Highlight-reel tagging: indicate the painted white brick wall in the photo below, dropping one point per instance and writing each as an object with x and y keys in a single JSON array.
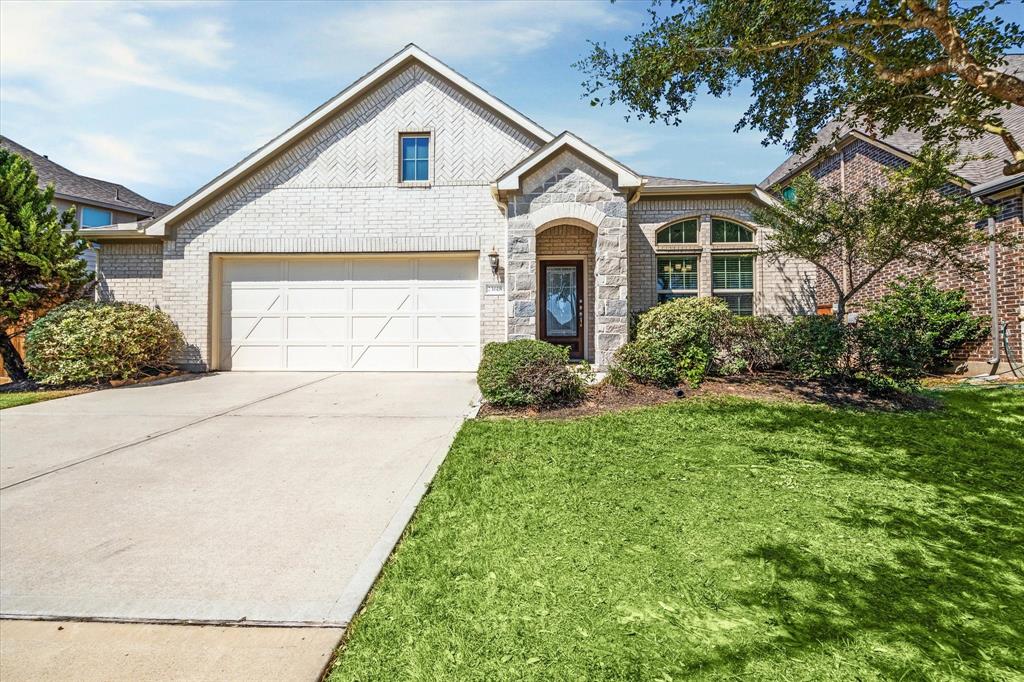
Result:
[
  {"x": 337, "y": 190},
  {"x": 130, "y": 271}
]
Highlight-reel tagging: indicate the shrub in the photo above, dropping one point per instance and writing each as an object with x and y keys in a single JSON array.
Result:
[
  {"x": 928, "y": 323},
  {"x": 750, "y": 344},
  {"x": 527, "y": 372},
  {"x": 648, "y": 362},
  {"x": 689, "y": 329},
  {"x": 84, "y": 342},
  {"x": 818, "y": 347}
]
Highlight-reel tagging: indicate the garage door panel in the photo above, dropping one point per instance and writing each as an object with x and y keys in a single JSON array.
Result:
[
  {"x": 382, "y": 328},
  {"x": 317, "y": 300},
  {"x": 252, "y": 271},
  {"x": 317, "y": 328},
  {"x": 326, "y": 270},
  {"x": 441, "y": 270},
  {"x": 382, "y": 300},
  {"x": 382, "y": 269},
  {"x": 250, "y": 356},
  {"x": 447, "y": 328},
  {"x": 302, "y": 357},
  {"x": 257, "y": 328},
  {"x": 444, "y": 299},
  {"x": 376, "y": 358},
  {"x": 241, "y": 299},
  {"x": 397, "y": 313}
]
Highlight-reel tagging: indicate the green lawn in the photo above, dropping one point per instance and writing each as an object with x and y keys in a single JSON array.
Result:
[
  {"x": 714, "y": 540},
  {"x": 29, "y": 397}
]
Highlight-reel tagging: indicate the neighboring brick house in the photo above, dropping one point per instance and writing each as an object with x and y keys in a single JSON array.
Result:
[
  {"x": 97, "y": 203},
  {"x": 414, "y": 217},
  {"x": 857, "y": 158}
]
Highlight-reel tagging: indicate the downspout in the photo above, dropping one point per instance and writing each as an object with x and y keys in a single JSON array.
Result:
[{"x": 993, "y": 295}]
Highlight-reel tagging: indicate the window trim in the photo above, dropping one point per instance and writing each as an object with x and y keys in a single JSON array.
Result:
[
  {"x": 671, "y": 293},
  {"x": 752, "y": 289},
  {"x": 669, "y": 225},
  {"x": 749, "y": 228},
  {"x": 402, "y": 134},
  {"x": 81, "y": 216}
]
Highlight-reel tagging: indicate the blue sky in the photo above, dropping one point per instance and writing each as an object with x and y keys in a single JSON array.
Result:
[{"x": 163, "y": 96}]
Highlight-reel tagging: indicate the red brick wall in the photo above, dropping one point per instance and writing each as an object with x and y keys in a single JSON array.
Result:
[{"x": 866, "y": 163}]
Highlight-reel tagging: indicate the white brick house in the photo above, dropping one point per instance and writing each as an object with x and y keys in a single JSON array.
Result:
[{"x": 414, "y": 217}]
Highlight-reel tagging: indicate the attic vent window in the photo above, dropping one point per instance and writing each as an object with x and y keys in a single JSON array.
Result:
[{"x": 415, "y": 163}]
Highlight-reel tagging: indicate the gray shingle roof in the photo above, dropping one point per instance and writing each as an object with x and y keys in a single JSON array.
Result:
[
  {"x": 71, "y": 184},
  {"x": 975, "y": 171}
]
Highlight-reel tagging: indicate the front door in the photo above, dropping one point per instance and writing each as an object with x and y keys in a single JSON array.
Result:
[{"x": 561, "y": 303}]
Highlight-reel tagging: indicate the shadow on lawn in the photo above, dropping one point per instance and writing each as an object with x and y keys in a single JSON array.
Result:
[{"x": 949, "y": 598}]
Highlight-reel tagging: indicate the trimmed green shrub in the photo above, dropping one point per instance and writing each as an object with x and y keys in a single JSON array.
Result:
[
  {"x": 818, "y": 347},
  {"x": 527, "y": 372},
  {"x": 689, "y": 329},
  {"x": 648, "y": 362},
  {"x": 86, "y": 342},
  {"x": 750, "y": 344},
  {"x": 915, "y": 324}
]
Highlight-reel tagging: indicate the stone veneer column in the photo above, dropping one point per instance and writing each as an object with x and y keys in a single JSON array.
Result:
[
  {"x": 611, "y": 318},
  {"x": 521, "y": 277},
  {"x": 704, "y": 262}
]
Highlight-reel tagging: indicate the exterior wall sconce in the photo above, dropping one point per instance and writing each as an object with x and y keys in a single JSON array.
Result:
[{"x": 493, "y": 258}]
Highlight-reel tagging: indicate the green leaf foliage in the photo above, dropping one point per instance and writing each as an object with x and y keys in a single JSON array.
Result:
[
  {"x": 85, "y": 342},
  {"x": 916, "y": 215},
  {"x": 934, "y": 67},
  {"x": 688, "y": 329},
  {"x": 528, "y": 372},
  {"x": 39, "y": 246}
]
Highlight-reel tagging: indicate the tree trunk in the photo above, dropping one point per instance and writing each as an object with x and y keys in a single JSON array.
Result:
[{"x": 13, "y": 364}]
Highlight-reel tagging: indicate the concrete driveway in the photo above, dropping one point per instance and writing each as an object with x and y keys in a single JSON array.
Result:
[{"x": 230, "y": 498}]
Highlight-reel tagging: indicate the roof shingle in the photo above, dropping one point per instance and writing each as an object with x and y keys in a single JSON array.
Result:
[{"x": 71, "y": 184}]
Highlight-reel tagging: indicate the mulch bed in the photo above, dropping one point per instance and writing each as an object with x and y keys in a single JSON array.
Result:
[
  {"x": 31, "y": 386},
  {"x": 765, "y": 386}
]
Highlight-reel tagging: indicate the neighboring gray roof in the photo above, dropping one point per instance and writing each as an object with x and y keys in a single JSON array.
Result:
[
  {"x": 657, "y": 181},
  {"x": 975, "y": 172},
  {"x": 89, "y": 190}
]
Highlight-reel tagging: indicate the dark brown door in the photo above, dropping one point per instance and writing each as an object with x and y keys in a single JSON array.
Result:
[{"x": 561, "y": 304}]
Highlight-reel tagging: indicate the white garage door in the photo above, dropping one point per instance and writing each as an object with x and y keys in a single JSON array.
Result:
[{"x": 403, "y": 313}]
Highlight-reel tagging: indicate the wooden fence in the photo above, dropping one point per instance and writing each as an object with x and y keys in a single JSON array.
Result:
[{"x": 19, "y": 345}]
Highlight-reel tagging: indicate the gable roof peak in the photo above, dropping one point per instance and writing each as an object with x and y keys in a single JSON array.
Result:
[
  {"x": 332, "y": 106},
  {"x": 624, "y": 176}
]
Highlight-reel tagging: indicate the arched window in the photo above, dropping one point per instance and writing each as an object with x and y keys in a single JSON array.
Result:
[
  {"x": 728, "y": 231},
  {"x": 683, "y": 232}
]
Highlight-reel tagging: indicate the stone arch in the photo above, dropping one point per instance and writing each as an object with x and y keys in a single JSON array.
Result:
[{"x": 567, "y": 213}]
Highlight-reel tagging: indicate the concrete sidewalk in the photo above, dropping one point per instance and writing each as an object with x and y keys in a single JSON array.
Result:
[{"x": 112, "y": 652}]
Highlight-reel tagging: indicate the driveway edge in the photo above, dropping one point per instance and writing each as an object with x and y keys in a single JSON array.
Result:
[{"x": 358, "y": 588}]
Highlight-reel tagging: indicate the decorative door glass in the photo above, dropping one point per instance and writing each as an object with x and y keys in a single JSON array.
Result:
[{"x": 560, "y": 286}]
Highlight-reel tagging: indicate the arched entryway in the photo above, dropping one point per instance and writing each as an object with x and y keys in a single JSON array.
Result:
[{"x": 565, "y": 291}]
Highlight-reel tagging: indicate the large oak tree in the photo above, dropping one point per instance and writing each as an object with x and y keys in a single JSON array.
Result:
[{"x": 933, "y": 66}]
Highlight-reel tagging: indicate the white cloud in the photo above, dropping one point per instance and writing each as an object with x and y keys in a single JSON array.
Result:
[
  {"x": 107, "y": 156},
  {"x": 456, "y": 31}
]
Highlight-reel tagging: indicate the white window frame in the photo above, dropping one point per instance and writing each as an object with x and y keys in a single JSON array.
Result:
[
  {"x": 725, "y": 291},
  {"x": 671, "y": 293},
  {"x": 429, "y": 134}
]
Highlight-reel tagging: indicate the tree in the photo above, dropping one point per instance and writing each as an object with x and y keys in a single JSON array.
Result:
[
  {"x": 915, "y": 215},
  {"x": 39, "y": 255},
  {"x": 932, "y": 66}
]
